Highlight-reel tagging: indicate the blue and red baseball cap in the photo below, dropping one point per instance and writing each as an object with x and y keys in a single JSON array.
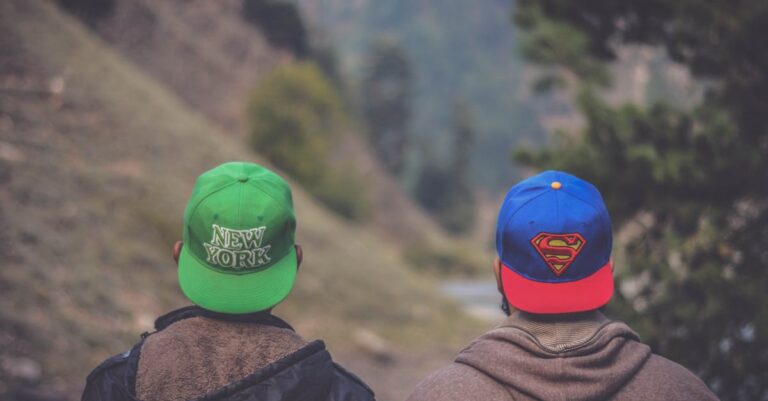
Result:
[{"x": 554, "y": 238}]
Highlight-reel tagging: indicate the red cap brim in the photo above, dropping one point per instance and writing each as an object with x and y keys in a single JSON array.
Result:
[{"x": 547, "y": 298}]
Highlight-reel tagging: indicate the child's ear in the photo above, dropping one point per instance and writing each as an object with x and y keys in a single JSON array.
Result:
[
  {"x": 299, "y": 255},
  {"x": 177, "y": 251}
]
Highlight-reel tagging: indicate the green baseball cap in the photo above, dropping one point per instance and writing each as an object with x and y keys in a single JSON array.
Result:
[{"x": 238, "y": 254}]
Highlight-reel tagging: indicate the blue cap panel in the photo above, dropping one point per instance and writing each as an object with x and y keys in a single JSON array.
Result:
[{"x": 572, "y": 217}]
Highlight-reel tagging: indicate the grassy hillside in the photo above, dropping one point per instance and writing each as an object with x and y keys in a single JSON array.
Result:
[
  {"x": 96, "y": 163},
  {"x": 206, "y": 54},
  {"x": 203, "y": 51}
]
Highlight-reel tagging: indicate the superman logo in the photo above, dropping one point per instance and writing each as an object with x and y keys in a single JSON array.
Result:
[{"x": 558, "y": 250}]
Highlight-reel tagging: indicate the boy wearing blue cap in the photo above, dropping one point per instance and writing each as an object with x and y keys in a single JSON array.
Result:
[{"x": 553, "y": 269}]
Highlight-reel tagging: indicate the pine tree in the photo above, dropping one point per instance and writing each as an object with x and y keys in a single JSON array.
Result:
[
  {"x": 444, "y": 189},
  {"x": 386, "y": 98}
]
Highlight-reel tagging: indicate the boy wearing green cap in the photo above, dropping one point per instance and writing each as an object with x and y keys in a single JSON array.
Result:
[{"x": 237, "y": 261}]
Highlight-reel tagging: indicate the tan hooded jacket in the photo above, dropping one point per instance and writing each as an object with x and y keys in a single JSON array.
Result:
[{"x": 575, "y": 357}]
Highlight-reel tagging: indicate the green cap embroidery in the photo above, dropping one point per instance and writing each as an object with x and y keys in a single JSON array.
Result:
[{"x": 239, "y": 254}]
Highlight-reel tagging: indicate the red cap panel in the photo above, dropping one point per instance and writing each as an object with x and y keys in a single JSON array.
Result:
[{"x": 566, "y": 297}]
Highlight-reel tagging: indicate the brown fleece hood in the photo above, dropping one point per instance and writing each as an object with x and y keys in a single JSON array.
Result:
[
  {"x": 198, "y": 355},
  {"x": 573, "y": 357}
]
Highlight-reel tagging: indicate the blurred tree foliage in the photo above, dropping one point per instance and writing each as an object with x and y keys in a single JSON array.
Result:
[
  {"x": 386, "y": 98},
  {"x": 446, "y": 190},
  {"x": 693, "y": 180},
  {"x": 280, "y": 22},
  {"x": 89, "y": 11},
  {"x": 455, "y": 48},
  {"x": 295, "y": 119}
]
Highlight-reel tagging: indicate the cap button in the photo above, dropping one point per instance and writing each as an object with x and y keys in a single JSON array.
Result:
[
  {"x": 242, "y": 178},
  {"x": 556, "y": 185}
]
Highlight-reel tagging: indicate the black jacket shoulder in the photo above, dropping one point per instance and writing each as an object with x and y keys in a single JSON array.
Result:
[
  {"x": 348, "y": 387},
  {"x": 115, "y": 378}
]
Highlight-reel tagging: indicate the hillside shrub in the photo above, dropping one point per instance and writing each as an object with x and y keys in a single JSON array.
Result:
[
  {"x": 343, "y": 191},
  {"x": 295, "y": 119}
]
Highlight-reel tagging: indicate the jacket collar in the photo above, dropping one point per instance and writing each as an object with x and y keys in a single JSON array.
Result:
[
  {"x": 558, "y": 333},
  {"x": 263, "y": 318}
]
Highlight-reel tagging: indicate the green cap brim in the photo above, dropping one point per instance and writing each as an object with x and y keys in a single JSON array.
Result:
[{"x": 236, "y": 293}]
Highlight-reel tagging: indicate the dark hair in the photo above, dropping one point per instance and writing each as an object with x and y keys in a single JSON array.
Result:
[
  {"x": 507, "y": 311},
  {"x": 505, "y": 305}
]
